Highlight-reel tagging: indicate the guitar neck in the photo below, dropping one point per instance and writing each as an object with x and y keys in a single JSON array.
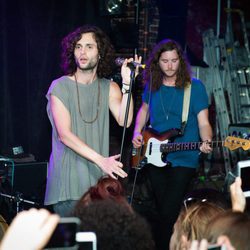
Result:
[{"x": 182, "y": 146}]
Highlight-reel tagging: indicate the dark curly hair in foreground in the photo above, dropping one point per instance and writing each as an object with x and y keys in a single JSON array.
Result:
[
  {"x": 116, "y": 226},
  {"x": 105, "y": 49}
]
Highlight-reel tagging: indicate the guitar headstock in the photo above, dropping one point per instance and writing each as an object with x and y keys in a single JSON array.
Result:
[{"x": 233, "y": 143}]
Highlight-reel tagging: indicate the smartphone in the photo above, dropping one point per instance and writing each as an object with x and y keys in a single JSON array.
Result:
[
  {"x": 64, "y": 235},
  {"x": 243, "y": 170},
  {"x": 216, "y": 247},
  {"x": 86, "y": 240}
]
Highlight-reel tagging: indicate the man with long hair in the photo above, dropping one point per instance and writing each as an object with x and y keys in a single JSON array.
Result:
[
  {"x": 78, "y": 109},
  {"x": 166, "y": 76}
]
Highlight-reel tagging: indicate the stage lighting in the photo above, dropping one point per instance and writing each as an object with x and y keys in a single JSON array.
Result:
[{"x": 112, "y": 7}]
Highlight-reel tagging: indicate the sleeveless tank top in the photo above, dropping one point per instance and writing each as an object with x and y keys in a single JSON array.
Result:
[{"x": 69, "y": 174}]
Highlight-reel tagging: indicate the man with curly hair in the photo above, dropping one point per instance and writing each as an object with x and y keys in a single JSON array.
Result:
[
  {"x": 166, "y": 76},
  {"x": 78, "y": 109}
]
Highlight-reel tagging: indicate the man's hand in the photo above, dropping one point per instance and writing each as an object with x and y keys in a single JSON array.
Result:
[
  {"x": 126, "y": 71},
  {"x": 137, "y": 140},
  {"x": 206, "y": 147},
  {"x": 112, "y": 167}
]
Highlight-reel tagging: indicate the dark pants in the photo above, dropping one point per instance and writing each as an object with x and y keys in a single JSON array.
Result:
[{"x": 169, "y": 186}]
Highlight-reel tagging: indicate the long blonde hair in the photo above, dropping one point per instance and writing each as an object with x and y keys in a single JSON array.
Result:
[{"x": 193, "y": 220}]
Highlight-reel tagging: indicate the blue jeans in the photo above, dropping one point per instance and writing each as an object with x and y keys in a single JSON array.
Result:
[{"x": 64, "y": 208}]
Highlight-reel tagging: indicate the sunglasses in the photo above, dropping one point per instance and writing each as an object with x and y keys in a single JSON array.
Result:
[{"x": 192, "y": 200}]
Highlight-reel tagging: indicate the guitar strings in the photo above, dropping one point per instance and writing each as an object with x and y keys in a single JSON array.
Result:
[{"x": 156, "y": 146}]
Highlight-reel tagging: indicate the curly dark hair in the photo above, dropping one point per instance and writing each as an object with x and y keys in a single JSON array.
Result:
[
  {"x": 104, "y": 46},
  {"x": 153, "y": 71},
  {"x": 116, "y": 227}
]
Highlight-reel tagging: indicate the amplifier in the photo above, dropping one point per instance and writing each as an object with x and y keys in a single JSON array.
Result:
[
  {"x": 241, "y": 130},
  {"x": 29, "y": 179}
]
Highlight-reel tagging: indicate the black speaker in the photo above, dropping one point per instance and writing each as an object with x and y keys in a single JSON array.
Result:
[{"x": 29, "y": 180}]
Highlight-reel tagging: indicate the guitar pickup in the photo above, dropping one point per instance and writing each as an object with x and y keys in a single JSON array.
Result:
[{"x": 150, "y": 148}]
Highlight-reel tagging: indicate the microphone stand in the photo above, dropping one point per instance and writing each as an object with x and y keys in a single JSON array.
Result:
[
  {"x": 141, "y": 165},
  {"x": 17, "y": 198},
  {"x": 132, "y": 79}
]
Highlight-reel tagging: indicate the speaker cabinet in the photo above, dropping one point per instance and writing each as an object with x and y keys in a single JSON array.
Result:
[{"x": 29, "y": 180}]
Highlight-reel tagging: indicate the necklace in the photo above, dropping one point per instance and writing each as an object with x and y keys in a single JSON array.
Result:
[
  {"x": 79, "y": 105},
  {"x": 166, "y": 113}
]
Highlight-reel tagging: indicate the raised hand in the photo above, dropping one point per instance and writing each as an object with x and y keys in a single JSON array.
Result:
[
  {"x": 237, "y": 196},
  {"x": 126, "y": 71},
  {"x": 30, "y": 230}
]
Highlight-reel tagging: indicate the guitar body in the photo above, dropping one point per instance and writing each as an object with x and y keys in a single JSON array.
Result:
[{"x": 150, "y": 150}]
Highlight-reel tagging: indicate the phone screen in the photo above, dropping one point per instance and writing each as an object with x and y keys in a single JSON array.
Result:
[
  {"x": 216, "y": 247},
  {"x": 64, "y": 234},
  {"x": 243, "y": 169},
  {"x": 245, "y": 177},
  {"x": 85, "y": 245}
]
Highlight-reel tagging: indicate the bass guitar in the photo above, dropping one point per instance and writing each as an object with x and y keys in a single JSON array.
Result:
[{"x": 157, "y": 145}]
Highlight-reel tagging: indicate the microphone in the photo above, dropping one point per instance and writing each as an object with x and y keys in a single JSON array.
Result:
[{"x": 119, "y": 61}]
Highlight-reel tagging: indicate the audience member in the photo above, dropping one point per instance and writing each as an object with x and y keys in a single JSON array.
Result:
[
  {"x": 237, "y": 196},
  {"x": 105, "y": 211},
  {"x": 207, "y": 194},
  {"x": 203, "y": 244},
  {"x": 204, "y": 215},
  {"x": 116, "y": 226},
  {"x": 3, "y": 227},
  {"x": 106, "y": 188},
  {"x": 191, "y": 223},
  {"x": 234, "y": 225},
  {"x": 30, "y": 230}
]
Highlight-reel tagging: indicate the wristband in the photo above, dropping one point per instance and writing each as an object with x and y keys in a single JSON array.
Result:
[
  {"x": 126, "y": 87},
  {"x": 125, "y": 91},
  {"x": 125, "y": 84}
]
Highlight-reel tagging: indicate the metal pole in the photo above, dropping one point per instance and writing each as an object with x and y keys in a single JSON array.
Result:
[
  {"x": 218, "y": 29},
  {"x": 218, "y": 18},
  {"x": 137, "y": 12}
]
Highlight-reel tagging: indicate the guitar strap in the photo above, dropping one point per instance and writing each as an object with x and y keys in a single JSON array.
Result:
[{"x": 185, "y": 107}]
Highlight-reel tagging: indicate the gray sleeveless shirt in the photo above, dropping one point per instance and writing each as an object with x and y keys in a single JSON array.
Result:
[{"x": 70, "y": 175}]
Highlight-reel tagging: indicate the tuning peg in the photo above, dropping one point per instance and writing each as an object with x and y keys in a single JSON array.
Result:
[
  {"x": 234, "y": 133},
  {"x": 245, "y": 135}
]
